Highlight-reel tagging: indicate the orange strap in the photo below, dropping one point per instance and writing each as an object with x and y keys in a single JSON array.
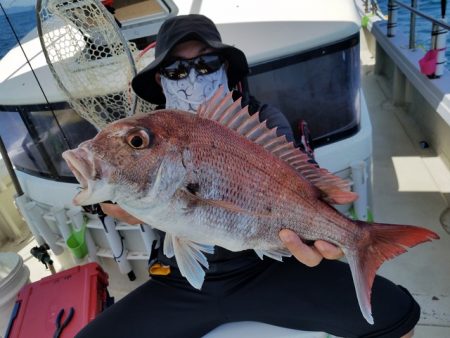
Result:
[{"x": 158, "y": 269}]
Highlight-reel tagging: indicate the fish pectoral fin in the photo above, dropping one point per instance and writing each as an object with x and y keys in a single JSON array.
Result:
[
  {"x": 190, "y": 258},
  {"x": 194, "y": 199},
  {"x": 276, "y": 254},
  {"x": 226, "y": 205}
]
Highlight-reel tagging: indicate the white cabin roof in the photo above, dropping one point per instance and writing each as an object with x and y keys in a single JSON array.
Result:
[{"x": 263, "y": 30}]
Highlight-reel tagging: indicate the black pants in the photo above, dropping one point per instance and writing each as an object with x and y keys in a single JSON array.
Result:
[{"x": 286, "y": 294}]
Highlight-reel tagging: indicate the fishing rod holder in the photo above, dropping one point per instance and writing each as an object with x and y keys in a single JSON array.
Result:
[{"x": 114, "y": 239}]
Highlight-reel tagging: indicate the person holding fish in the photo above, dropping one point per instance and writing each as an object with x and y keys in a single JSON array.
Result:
[{"x": 192, "y": 67}]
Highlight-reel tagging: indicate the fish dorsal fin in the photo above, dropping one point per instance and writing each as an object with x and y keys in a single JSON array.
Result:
[{"x": 229, "y": 113}]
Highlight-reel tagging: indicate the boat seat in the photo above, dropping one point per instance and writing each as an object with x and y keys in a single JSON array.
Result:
[{"x": 260, "y": 330}]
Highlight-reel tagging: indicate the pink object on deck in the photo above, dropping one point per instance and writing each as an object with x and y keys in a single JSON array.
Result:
[{"x": 428, "y": 62}]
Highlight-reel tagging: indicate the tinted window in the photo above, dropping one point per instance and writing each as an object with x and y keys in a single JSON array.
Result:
[
  {"x": 36, "y": 137},
  {"x": 320, "y": 87}
]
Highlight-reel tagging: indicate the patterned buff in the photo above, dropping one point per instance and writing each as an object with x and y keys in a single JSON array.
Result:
[{"x": 187, "y": 94}]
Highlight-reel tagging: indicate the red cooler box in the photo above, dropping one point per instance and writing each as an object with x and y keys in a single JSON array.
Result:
[{"x": 38, "y": 304}]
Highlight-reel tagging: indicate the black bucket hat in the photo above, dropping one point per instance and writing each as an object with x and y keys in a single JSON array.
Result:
[{"x": 179, "y": 29}]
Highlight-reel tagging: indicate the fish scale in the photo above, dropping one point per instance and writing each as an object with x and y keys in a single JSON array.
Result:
[
  {"x": 223, "y": 178},
  {"x": 268, "y": 183}
]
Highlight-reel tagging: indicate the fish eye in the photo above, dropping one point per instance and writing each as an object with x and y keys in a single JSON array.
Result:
[
  {"x": 138, "y": 138},
  {"x": 136, "y": 141}
]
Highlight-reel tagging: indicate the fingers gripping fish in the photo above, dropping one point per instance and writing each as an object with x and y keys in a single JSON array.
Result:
[{"x": 220, "y": 177}]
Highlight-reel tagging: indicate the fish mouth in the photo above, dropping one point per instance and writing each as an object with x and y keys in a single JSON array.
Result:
[
  {"x": 75, "y": 165},
  {"x": 84, "y": 171}
]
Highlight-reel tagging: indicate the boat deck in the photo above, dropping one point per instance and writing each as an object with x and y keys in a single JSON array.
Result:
[{"x": 409, "y": 187}]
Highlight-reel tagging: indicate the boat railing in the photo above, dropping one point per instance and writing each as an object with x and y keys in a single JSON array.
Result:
[{"x": 438, "y": 31}]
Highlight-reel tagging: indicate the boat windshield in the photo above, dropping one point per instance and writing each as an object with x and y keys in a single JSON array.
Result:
[
  {"x": 320, "y": 86},
  {"x": 36, "y": 136}
]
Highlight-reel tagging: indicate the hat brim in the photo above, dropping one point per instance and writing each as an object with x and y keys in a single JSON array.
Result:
[{"x": 144, "y": 83}]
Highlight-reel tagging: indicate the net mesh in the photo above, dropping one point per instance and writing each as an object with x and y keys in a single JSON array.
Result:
[{"x": 89, "y": 58}]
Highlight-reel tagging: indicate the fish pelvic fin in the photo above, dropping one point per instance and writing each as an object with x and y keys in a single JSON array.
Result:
[
  {"x": 229, "y": 113},
  {"x": 384, "y": 242},
  {"x": 190, "y": 258}
]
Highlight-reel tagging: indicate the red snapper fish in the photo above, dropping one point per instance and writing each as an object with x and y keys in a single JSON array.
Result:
[{"x": 220, "y": 177}]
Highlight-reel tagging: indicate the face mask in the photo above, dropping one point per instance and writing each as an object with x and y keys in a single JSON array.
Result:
[{"x": 188, "y": 93}]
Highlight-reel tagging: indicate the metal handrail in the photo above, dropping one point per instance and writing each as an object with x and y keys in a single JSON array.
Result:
[
  {"x": 438, "y": 33},
  {"x": 423, "y": 15}
]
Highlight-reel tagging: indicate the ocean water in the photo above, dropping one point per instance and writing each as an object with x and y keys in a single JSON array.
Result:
[
  {"x": 25, "y": 21},
  {"x": 22, "y": 23},
  {"x": 423, "y": 26}
]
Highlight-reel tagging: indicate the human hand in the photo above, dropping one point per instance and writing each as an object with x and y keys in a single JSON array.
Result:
[
  {"x": 309, "y": 255},
  {"x": 117, "y": 212}
]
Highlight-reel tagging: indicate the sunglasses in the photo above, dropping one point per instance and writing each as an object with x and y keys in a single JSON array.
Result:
[{"x": 203, "y": 65}]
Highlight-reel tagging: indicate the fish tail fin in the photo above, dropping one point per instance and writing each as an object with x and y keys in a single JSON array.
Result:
[{"x": 384, "y": 242}]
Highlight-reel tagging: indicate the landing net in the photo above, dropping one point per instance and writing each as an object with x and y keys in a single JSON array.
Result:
[{"x": 89, "y": 58}]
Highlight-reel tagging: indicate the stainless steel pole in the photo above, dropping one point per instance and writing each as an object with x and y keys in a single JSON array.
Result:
[
  {"x": 412, "y": 26},
  {"x": 392, "y": 18}
]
